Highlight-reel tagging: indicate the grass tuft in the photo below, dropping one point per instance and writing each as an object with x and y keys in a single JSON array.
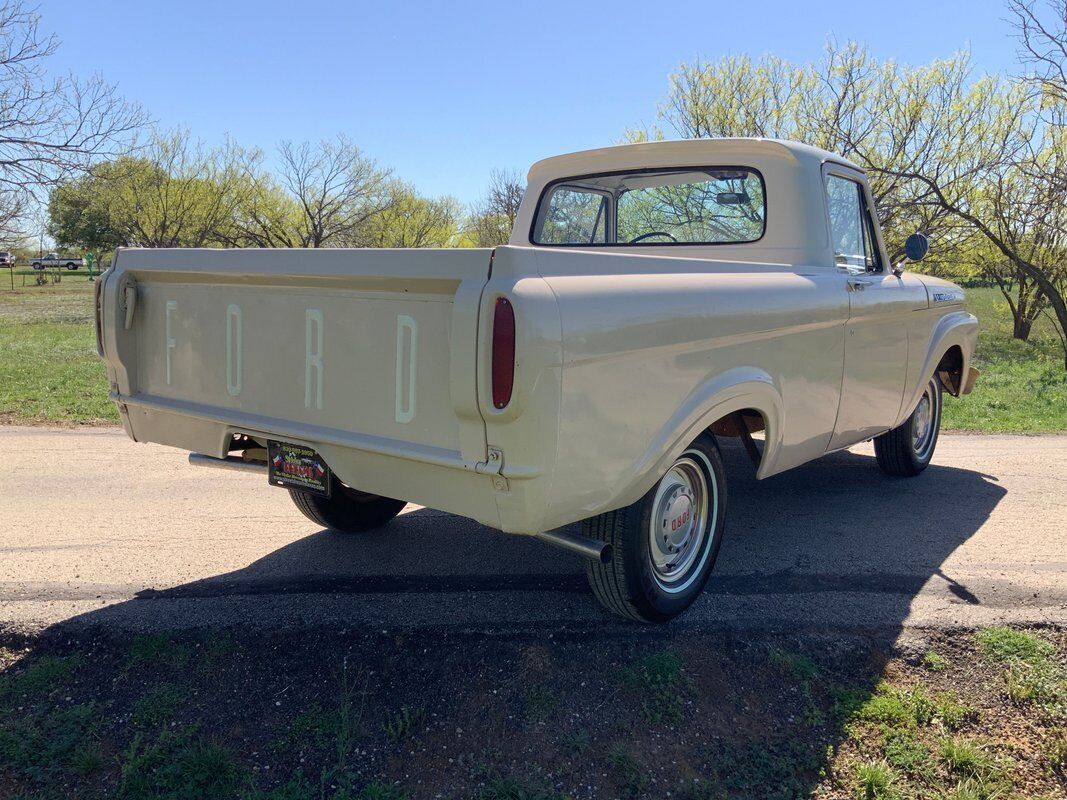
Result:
[
  {"x": 875, "y": 780},
  {"x": 1007, "y": 644},
  {"x": 177, "y": 766},
  {"x": 158, "y": 705},
  {"x": 933, "y": 661},
  {"x": 659, "y": 680},
  {"x": 405, "y": 723}
]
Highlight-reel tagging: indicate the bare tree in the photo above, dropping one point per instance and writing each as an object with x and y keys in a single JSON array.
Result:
[
  {"x": 492, "y": 218},
  {"x": 337, "y": 188},
  {"x": 1043, "y": 45},
  {"x": 50, "y": 127}
]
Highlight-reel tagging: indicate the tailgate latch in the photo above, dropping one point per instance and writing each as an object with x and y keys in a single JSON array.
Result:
[
  {"x": 128, "y": 303},
  {"x": 492, "y": 467}
]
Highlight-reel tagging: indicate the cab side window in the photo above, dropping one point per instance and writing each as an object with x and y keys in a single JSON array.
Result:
[
  {"x": 851, "y": 226},
  {"x": 575, "y": 216}
]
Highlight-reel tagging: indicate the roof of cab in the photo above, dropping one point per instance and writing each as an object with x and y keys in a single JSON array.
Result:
[{"x": 681, "y": 152}]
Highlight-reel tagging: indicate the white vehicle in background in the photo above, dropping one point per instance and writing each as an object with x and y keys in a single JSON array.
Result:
[
  {"x": 654, "y": 298},
  {"x": 56, "y": 260},
  {"x": 7, "y": 259}
]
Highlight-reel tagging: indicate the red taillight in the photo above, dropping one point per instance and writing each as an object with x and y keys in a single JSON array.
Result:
[{"x": 503, "y": 352}]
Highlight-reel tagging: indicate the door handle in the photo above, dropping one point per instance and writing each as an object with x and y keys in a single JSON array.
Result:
[{"x": 857, "y": 284}]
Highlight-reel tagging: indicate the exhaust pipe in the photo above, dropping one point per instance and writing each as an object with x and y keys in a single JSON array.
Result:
[
  {"x": 582, "y": 545},
  {"x": 230, "y": 462}
]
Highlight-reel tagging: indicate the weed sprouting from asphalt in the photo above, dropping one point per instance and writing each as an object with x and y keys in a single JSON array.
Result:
[
  {"x": 405, "y": 723},
  {"x": 661, "y": 683}
]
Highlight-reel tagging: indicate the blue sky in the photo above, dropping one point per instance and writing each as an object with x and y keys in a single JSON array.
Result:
[{"x": 445, "y": 92}]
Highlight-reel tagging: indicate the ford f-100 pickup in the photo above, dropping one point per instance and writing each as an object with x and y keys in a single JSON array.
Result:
[{"x": 654, "y": 298}]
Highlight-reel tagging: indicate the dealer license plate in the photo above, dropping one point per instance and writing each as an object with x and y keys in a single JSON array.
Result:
[{"x": 294, "y": 466}]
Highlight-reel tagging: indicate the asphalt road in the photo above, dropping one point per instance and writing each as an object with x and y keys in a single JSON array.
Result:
[{"x": 98, "y": 530}]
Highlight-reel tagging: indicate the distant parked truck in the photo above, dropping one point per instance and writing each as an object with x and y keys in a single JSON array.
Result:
[
  {"x": 55, "y": 260},
  {"x": 6, "y": 259}
]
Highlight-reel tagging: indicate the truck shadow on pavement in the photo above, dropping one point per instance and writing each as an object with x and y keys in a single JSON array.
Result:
[
  {"x": 482, "y": 660},
  {"x": 833, "y": 544}
]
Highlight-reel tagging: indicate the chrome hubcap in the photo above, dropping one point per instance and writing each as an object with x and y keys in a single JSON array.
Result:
[
  {"x": 924, "y": 422},
  {"x": 678, "y": 527}
]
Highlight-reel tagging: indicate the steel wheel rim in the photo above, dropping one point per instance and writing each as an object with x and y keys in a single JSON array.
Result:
[
  {"x": 924, "y": 423},
  {"x": 678, "y": 527}
]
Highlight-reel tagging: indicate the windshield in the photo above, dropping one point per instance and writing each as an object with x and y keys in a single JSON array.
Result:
[{"x": 712, "y": 205}]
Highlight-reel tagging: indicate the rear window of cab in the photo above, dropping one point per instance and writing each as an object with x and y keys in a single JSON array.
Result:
[{"x": 663, "y": 207}]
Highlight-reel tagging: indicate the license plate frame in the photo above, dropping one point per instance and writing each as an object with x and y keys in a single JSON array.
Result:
[{"x": 297, "y": 466}]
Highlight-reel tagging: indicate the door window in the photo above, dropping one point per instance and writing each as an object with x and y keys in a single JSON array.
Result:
[{"x": 851, "y": 226}]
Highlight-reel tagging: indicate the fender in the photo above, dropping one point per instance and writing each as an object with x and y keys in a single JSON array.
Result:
[
  {"x": 734, "y": 390},
  {"x": 955, "y": 328}
]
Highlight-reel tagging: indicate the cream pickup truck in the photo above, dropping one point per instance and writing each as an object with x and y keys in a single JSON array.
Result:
[{"x": 653, "y": 300}]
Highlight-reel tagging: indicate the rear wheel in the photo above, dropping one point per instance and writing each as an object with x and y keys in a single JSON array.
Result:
[
  {"x": 71, "y": 265},
  {"x": 664, "y": 546},
  {"x": 906, "y": 450},
  {"x": 347, "y": 509}
]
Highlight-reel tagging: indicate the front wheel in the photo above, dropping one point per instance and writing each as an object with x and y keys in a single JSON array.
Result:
[
  {"x": 347, "y": 510},
  {"x": 906, "y": 450},
  {"x": 72, "y": 266},
  {"x": 664, "y": 546}
]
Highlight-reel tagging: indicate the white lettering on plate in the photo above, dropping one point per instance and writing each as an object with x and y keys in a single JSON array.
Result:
[
  {"x": 313, "y": 325},
  {"x": 406, "y": 346}
]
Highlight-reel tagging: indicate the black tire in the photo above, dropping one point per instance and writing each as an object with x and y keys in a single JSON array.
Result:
[
  {"x": 347, "y": 510},
  {"x": 907, "y": 450},
  {"x": 72, "y": 266},
  {"x": 631, "y": 584}
]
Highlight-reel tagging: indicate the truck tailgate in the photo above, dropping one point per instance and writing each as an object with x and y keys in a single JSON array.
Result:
[{"x": 371, "y": 349}]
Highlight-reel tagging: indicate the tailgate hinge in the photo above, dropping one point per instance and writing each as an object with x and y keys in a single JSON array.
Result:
[{"x": 492, "y": 468}]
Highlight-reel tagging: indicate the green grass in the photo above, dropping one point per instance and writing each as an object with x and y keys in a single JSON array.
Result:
[
  {"x": 49, "y": 370},
  {"x": 660, "y": 684},
  {"x": 1006, "y": 644},
  {"x": 1032, "y": 675},
  {"x": 158, "y": 704},
  {"x": 1023, "y": 388},
  {"x": 178, "y": 766},
  {"x": 875, "y": 781}
]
